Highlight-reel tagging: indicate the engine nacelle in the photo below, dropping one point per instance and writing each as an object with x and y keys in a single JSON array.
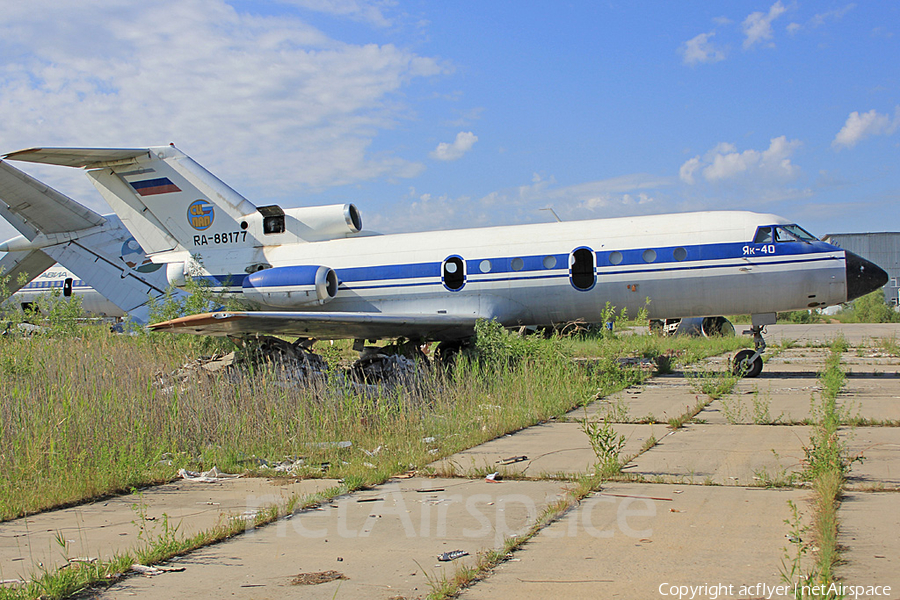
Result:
[
  {"x": 175, "y": 274},
  {"x": 291, "y": 287},
  {"x": 325, "y": 222},
  {"x": 694, "y": 326}
]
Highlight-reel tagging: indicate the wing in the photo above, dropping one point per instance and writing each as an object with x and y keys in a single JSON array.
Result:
[
  {"x": 325, "y": 325},
  {"x": 32, "y": 207},
  {"x": 14, "y": 264}
]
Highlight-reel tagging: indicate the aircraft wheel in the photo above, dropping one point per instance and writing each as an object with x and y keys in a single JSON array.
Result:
[
  {"x": 743, "y": 366},
  {"x": 446, "y": 352}
]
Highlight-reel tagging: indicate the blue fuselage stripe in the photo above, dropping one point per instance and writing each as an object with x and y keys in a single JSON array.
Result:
[{"x": 624, "y": 262}]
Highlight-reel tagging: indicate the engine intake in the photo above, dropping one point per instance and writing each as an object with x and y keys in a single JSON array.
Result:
[{"x": 291, "y": 287}]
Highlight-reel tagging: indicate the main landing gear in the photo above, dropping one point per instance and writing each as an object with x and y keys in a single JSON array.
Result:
[{"x": 749, "y": 363}]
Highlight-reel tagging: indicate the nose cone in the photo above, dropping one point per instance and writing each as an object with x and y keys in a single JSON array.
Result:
[{"x": 863, "y": 276}]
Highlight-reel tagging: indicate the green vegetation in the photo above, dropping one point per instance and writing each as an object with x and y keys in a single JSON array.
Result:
[
  {"x": 96, "y": 413},
  {"x": 871, "y": 308},
  {"x": 826, "y": 466},
  {"x": 606, "y": 444},
  {"x": 86, "y": 413}
]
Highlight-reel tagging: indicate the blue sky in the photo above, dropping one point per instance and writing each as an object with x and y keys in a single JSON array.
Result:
[{"x": 436, "y": 115}]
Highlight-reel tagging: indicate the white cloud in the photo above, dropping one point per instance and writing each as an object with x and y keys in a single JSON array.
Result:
[
  {"x": 273, "y": 105},
  {"x": 758, "y": 25},
  {"x": 860, "y": 126},
  {"x": 831, "y": 15},
  {"x": 369, "y": 11},
  {"x": 454, "y": 151},
  {"x": 616, "y": 197},
  {"x": 724, "y": 162},
  {"x": 701, "y": 50},
  {"x": 687, "y": 170}
]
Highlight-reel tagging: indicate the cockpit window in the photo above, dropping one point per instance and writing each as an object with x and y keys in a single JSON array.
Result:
[
  {"x": 763, "y": 236},
  {"x": 783, "y": 233},
  {"x": 801, "y": 234}
]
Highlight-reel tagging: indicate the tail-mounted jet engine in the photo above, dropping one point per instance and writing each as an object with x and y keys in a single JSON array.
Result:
[{"x": 291, "y": 287}]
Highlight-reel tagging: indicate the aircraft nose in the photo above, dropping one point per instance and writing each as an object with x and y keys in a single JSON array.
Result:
[{"x": 863, "y": 276}]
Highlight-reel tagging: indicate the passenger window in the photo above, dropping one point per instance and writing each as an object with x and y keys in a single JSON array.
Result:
[
  {"x": 763, "y": 236},
  {"x": 679, "y": 254},
  {"x": 454, "y": 273},
  {"x": 582, "y": 269}
]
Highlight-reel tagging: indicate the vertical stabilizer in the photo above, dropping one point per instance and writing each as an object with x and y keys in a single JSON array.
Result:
[{"x": 163, "y": 196}]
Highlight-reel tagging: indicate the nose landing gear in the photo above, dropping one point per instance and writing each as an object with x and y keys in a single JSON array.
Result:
[{"x": 749, "y": 363}]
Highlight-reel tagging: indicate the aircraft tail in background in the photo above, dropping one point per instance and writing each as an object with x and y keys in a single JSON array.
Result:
[
  {"x": 163, "y": 196},
  {"x": 55, "y": 228}
]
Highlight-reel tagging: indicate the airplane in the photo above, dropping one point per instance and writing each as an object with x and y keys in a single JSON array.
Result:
[
  {"x": 114, "y": 275},
  {"x": 69, "y": 285},
  {"x": 311, "y": 271}
]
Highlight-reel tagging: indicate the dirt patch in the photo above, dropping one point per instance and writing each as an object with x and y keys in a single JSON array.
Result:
[{"x": 317, "y": 578}]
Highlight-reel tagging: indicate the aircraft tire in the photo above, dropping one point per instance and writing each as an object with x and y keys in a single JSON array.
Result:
[
  {"x": 743, "y": 366},
  {"x": 446, "y": 353}
]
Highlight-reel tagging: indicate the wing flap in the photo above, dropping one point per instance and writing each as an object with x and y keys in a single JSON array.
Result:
[{"x": 324, "y": 325}]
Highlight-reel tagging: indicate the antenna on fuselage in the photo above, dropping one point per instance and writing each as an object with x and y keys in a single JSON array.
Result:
[{"x": 550, "y": 208}]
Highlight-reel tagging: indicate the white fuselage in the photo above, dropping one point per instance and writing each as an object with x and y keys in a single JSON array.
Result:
[
  {"x": 691, "y": 264},
  {"x": 68, "y": 285}
]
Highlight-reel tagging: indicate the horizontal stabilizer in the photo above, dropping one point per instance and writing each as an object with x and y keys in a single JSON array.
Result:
[
  {"x": 33, "y": 207},
  {"x": 325, "y": 325},
  {"x": 17, "y": 269},
  {"x": 76, "y": 157}
]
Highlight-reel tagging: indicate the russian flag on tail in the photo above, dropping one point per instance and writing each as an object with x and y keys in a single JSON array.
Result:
[{"x": 152, "y": 187}]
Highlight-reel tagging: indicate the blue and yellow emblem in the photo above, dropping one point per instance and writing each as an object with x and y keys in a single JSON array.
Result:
[{"x": 201, "y": 215}]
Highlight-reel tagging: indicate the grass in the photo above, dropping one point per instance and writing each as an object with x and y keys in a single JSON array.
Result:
[
  {"x": 85, "y": 413},
  {"x": 92, "y": 413},
  {"x": 826, "y": 466}
]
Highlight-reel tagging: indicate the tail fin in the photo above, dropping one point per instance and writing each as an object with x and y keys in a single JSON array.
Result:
[
  {"x": 100, "y": 250},
  {"x": 162, "y": 195}
]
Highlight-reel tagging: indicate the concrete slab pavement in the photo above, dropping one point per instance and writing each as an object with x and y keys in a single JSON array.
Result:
[
  {"x": 662, "y": 397},
  {"x": 824, "y": 333},
  {"x": 870, "y": 538},
  {"x": 385, "y": 541},
  {"x": 100, "y": 529},
  {"x": 880, "y": 446},
  {"x": 725, "y": 454},
  {"x": 548, "y": 448},
  {"x": 781, "y": 394},
  {"x": 631, "y": 539}
]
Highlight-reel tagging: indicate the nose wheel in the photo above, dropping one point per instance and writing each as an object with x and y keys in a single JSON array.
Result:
[{"x": 749, "y": 363}]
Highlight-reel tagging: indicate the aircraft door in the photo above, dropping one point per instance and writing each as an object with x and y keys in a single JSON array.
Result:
[
  {"x": 453, "y": 273},
  {"x": 582, "y": 270},
  {"x": 67, "y": 287}
]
